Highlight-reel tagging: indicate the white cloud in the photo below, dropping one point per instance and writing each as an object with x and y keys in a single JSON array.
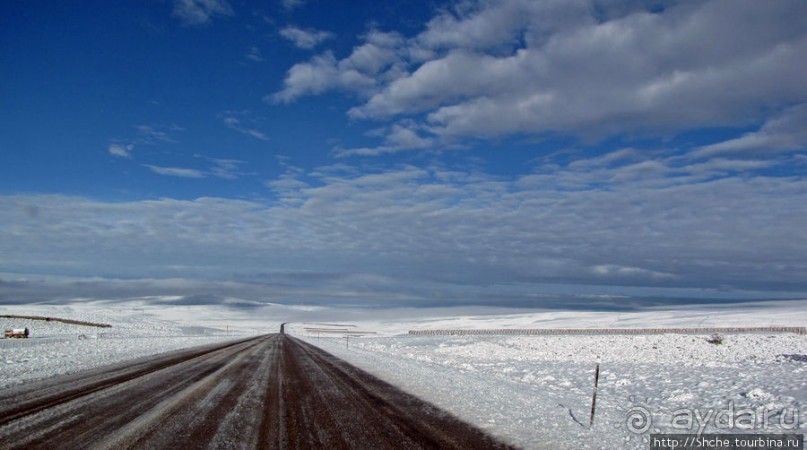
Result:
[
  {"x": 146, "y": 135},
  {"x": 156, "y": 134},
  {"x": 200, "y": 12},
  {"x": 121, "y": 150},
  {"x": 723, "y": 165},
  {"x": 289, "y": 5},
  {"x": 374, "y": 62},
  {"x": 398, "y": 137},
  {"x": 454, "y": 77},
  {"x": 254, "y": 54},
  {"x": 627, "y": 273},
  {"x": 638, "y": 223},
  {"x": 783, "y": 133},
  {"x": 227, "y": 169},
  {"x": 176, "y": 171},
  {"x": 318, "y": 75},
  {"x": 235, "y": 121},
  {"x": 405, "y": 137},
  {"x": 621, "y": 155},
  {"x": 493, "y": 68},
  {"x": 305, "y": 38}
]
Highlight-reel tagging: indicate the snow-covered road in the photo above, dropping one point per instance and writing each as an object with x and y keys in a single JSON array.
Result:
[{"x": 269, "y": 392}]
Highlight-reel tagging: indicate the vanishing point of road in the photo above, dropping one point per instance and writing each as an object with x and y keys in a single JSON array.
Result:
[{"x": 269, "y": 392}]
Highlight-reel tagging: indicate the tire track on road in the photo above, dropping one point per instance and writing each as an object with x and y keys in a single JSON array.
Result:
[
  {"x": 23, "y": 401},
  {"x": 321, "y": 401},
  {"x": 110, "y": 401}
]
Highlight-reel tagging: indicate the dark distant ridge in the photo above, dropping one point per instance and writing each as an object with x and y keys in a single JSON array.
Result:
[
  {"x": 56, "y": 319},
  {"x": 547, "y": 331}
]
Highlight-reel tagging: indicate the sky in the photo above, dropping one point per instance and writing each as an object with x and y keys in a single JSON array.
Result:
[{"x": 509, "y": 153}]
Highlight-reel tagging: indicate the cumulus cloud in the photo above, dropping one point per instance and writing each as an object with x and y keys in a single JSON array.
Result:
[
  {"x": 200, "y": 12},
  {"x": 305, "y": 38},
  {"x": 515, "y": 66},
  {"x": 369, "y": 65}
]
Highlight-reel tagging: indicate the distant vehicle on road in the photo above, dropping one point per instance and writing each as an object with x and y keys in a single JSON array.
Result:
[{"x": 16, "y": 333}]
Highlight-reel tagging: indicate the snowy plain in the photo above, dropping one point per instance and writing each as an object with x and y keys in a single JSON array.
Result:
[
  {"x": 55, "y": 348},
  {"x": 532, "y": 391},
  {"x": 536, "y": 391}
]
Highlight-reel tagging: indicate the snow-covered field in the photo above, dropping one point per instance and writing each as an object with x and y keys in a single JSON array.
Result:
[
  {"x": 536, "y": 391},
  {"x": 533, "y": 391}
]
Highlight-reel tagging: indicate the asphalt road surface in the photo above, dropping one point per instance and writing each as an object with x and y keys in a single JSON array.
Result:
[{"x": 268, "y": 392}]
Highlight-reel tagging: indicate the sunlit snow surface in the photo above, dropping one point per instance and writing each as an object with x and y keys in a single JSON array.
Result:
[
  {"x": 56, "y": 348},
  {"x": 533, "y": 391},
  {"x": 536, "y": 391}
]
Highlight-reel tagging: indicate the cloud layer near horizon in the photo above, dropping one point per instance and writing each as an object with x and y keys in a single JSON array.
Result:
[{"x": 617, "y": 219}]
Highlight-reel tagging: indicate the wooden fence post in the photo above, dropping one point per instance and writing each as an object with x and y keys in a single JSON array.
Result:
[{"x": 594, "y": 398}]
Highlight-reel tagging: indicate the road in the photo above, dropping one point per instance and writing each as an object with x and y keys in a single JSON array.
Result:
[{"x": 270, "y": 392}]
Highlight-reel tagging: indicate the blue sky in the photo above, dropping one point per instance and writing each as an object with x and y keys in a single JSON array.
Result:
[{"x": 500, "y": 153}]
